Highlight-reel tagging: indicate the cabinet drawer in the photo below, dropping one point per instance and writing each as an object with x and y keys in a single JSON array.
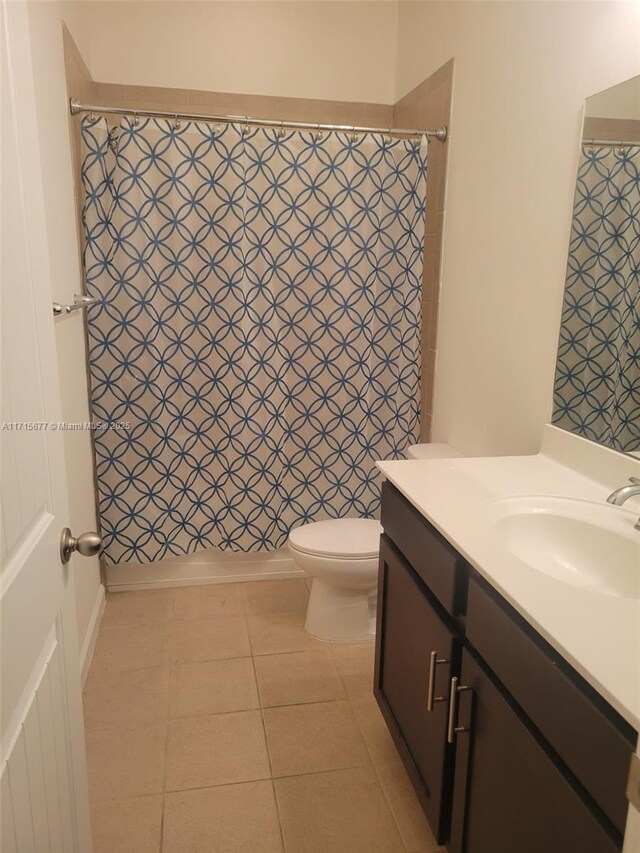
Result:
[
  {"x": 432, "y": 558},
  {"x": 589, "y": 737}
]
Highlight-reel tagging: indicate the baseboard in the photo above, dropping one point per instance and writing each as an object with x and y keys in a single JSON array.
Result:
[
  {"x": 203, "y": 568},
  {"x": 89, "y": 644}
]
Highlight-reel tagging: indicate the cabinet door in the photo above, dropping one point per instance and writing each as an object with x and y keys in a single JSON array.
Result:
[
  {"x": 508, "y": 793},
  {"x": 410, "y": 635}
]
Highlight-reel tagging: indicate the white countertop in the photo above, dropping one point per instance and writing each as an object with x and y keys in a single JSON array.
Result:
[{"x": 599, "y": 635}]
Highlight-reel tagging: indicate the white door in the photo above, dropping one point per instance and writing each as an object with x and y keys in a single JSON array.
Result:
[{"x": 44, "y": 797}]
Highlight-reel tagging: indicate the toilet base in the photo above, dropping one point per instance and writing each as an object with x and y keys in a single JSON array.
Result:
[{"x": 339, "y": 615}]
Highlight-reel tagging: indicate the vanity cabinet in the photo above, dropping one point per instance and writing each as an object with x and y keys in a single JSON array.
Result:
[
  {"x": 508, "y": 748},
  {"x": 575, "y": 722}
]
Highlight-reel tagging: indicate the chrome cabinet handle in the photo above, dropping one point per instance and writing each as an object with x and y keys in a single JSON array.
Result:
[
  {"x": 452, "y": 729},
  {"x": 434, "y": 660}
]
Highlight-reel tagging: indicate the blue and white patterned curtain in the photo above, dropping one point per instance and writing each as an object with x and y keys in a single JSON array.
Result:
[
  {"x": 258, "y": 326},
  {"x": 597, "y": 384}
]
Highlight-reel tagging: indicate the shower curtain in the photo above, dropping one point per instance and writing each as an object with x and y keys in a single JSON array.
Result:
[
  {"x": 258, "y": 327},
  {"x": 597, "y": 384}
]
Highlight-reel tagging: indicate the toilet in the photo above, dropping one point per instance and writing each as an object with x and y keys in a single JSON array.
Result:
[{"x": 341, "y": 555}]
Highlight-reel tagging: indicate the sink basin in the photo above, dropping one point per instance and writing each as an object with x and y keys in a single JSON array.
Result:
[{"x": 588, "y": 545}]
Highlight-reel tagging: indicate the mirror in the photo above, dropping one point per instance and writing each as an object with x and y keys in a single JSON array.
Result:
[{"x": 597, "y": 382}]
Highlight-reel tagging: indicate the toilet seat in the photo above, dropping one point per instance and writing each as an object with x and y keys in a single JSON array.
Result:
[
  {"x": 341, "y": 555},
  {"x": 339, "y": 538}
]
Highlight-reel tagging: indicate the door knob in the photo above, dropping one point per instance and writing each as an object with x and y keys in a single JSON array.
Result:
[{"x": 88, "y": 544}]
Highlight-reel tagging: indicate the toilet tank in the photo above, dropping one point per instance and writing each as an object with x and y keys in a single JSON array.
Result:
[{"x": 432, "y": 451}]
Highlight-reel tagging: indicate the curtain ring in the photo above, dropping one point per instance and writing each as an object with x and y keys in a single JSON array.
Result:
[
  {"x": 621, "y": 149},
  {"x": 245, "y": 129},
  {"x": 282, "y": 132},
  {"x": 318, "y": 134},
  {"x": 354, "y": 135},
  {"x": 136, "y": 120},
  {"x": 591, "y": 149},
  {"x": 176, "y": 123}
]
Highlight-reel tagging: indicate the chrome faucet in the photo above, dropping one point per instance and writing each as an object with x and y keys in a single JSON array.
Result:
[{"x": 623, "y": 494}]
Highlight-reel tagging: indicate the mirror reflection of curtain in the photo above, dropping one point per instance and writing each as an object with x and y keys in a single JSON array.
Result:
[
  {"x": 597, "y": 385},
  {"x": 258, "y": 326}
]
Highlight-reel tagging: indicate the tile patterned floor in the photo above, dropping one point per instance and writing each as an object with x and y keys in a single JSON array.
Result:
[{"x": 215, "y": 723}]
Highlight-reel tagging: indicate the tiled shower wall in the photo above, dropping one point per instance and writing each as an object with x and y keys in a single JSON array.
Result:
[
  {"x": 428, "y": 105},
  {"x": 617, "y": 130},
  {"x": 80, "y": 86}
]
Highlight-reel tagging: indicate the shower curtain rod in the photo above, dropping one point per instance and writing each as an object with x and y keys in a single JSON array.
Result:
[
  {"x": 440, "y": 133},
  {"x": 614, "y": 143}
]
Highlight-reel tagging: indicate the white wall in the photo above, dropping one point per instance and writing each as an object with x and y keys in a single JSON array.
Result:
[
  {"x": 45, "y": 22},
  {"x": 522, "y": 72},
  {"x": 341, "y": 51}
]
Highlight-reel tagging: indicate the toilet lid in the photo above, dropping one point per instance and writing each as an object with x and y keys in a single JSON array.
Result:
[{"x": 338, "y": 537}]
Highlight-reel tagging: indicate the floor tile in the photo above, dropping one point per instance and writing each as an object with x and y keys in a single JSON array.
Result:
[
  {"x": 355, "y": 663},
  {"x": 216, "y": 750},
  {"x": 406, "y": 809},
  {"x": 209, "y": 639},
  {"x": 274, "y": 633},
  {"x": 195, "y": 729},
  {"x": 295, "y": 677},
  {"x": 126, "y": 761},
  {"x": 127, "y": 826},
  {"x": 313, "y": 738},
  {"x": 231, "y": 818},
  {"x": 207, "y": 600},
  {"x": 125, "y": 647},
  {"x": 132, "y": 698},
  {"x": 343, "y": 811},
  {"x": 212, "y": 687},
  {"x": 137, "y": 608},
  {"x": 374, "y": 730},
  {"x": 275, "y": 596}
]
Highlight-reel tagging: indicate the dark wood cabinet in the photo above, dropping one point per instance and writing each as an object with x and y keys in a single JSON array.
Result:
[
  {"x": 508, "y": 793},
  {"x": 559, "y": 705},
  {"x": 416, "y": 649},
  {"x": 538, "y": 761}
]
